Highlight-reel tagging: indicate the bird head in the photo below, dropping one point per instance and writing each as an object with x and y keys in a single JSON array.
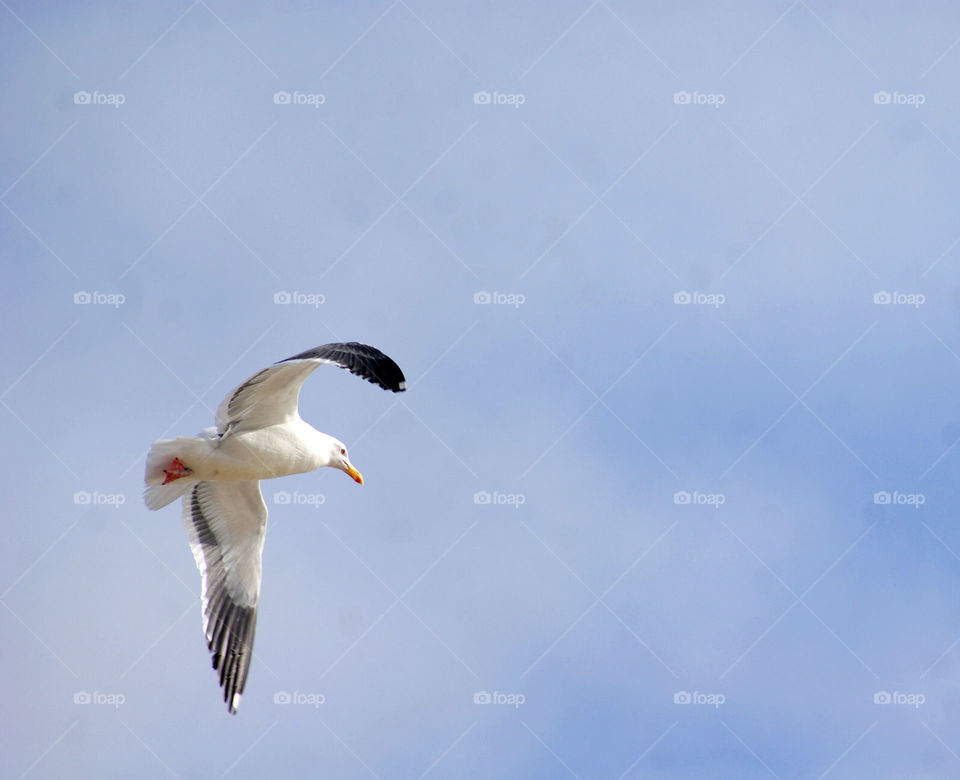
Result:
[{"x": 339, "y": 459}]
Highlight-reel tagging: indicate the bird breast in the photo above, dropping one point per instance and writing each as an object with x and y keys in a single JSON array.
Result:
[{"x": 275, "y": 451}]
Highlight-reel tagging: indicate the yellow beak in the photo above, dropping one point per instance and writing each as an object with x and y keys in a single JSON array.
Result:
[{"x": 357, "y": 476}]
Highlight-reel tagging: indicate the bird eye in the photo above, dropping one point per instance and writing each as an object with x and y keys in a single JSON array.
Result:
[{"x": 343, "y": 451}]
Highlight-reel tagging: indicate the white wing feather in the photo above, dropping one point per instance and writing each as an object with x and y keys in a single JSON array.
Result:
[
  {"x": 226, "y": 523},
  {"x": 269, "y": 397}
]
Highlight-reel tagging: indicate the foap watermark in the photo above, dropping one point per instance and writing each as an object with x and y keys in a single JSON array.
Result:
[
  {"x": 698, "y": 298},
  {"x": 496, "y": 298},
  {"x": 299, "y": 499},
  {"x": 296, "y": 98},
  {"x": 299, "y": 697},
  {"x": 96, "y": 498},
  {"x": 486, "y": 98},
  {"x": 297, "y": 298},
  {"x": 98, "y": 98},
  {"x": 496, "y": 697},
  {"x": 696, "y": 98},
  {"x": 696, "y": 498},
  {"x": 496, "y": 498},
  {"x": 697, "y": 697},
  {"x": 898, "y": 697},
  {"x": 97, "y": 298},
  {"x": 99, "y": 697},
  {"x": 884, "y": 98},
  {"x": 896, "y": 498},
  {"x": 897, "y": 298}
]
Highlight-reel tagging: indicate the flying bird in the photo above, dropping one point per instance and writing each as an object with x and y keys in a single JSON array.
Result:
[{"x": 258, "y": 435}]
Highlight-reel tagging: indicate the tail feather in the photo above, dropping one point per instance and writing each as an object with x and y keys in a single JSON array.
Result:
[{"x": 157, "y": 495}]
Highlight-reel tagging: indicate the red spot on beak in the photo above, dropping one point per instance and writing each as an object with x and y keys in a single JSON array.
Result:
[{"x": 174, "y": 471}]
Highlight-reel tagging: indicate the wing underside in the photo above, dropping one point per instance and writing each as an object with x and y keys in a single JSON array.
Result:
[
  {"x": 226, "y": 522},
  {"x": 271, "y": 396}
]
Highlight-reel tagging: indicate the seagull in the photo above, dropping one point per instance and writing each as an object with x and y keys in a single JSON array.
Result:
[{"x": 258, "y": 435}]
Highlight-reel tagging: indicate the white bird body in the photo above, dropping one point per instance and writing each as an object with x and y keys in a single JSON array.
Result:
[
  {"x": 259, "y": 435},
  {"x": 293, "y": 447}
]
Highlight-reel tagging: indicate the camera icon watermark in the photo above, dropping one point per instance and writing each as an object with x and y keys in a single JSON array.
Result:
[
  {"x": 114, "y": 700},
  {"x": 487, "y": 98},
  {"x": 299, "y": 697},
  {"x": 697, "y": 98},
  {"x": 96, "y": 498},
  {"x": 896, "y": 498},
  {"x": 897, "y": 298},
  {"x": 495, "y": 298},
  {"x": 496, "y": 697},
  {"x": 96, "y": 298},
  {"x": 698, "y": 298},
  {"x": 884, "y": 98},
  {"x": 296, "y": 98},
  {"x": 897, "y": 697},
  {"x": 496, "y": 498},
  {"x": 98, "y": 98},
  {"x": 714, "y": 700},
  {"x": 297, "y": 298},
  {"x": 685, "y": 498},
  {"x": 285, "y": 497}
]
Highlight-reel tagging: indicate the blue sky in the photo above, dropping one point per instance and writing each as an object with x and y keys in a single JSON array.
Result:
[{"x": 674, "y": 287}]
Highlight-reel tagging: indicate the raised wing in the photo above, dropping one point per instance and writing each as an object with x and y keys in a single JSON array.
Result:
[
  {"x": 271, "y": 396},
  {"x": 360, "y": 359},
  {"x": 226, "y": 522}
]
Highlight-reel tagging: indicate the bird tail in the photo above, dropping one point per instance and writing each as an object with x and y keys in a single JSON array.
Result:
[{"x": 188, "y": 449}]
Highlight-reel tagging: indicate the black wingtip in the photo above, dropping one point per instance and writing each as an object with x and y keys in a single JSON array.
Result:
[{"x": 361, "y": 360}]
